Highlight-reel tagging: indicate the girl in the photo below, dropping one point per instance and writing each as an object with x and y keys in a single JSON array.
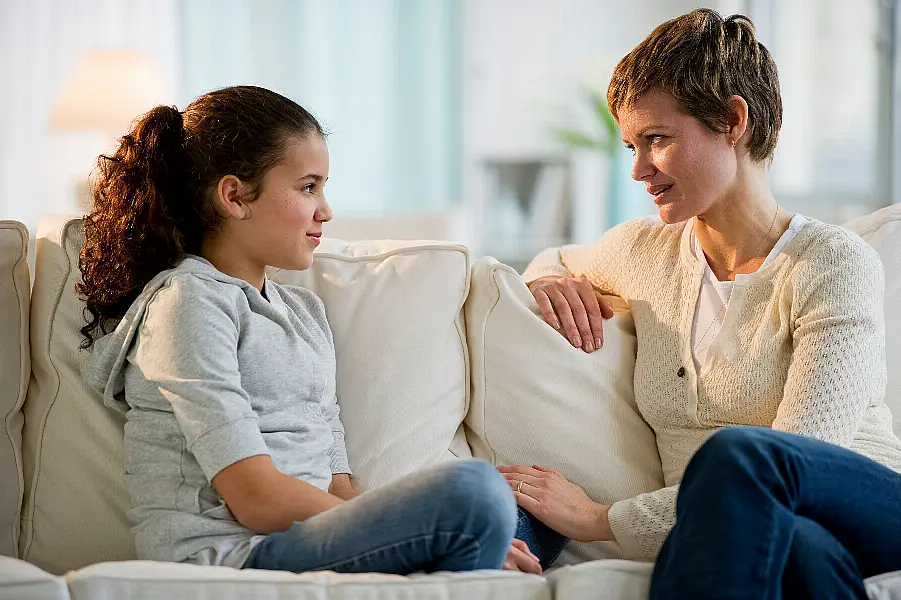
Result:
[{"x": 234, "y": 449}]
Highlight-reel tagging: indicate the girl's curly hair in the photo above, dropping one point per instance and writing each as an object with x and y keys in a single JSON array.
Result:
[{"x": 153, "y": 196}]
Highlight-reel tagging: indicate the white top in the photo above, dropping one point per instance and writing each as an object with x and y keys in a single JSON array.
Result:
[{"x": 713, "y": 299}]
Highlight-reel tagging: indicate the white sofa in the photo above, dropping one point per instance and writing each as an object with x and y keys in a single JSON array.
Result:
[{"x": 437, "y": 358}]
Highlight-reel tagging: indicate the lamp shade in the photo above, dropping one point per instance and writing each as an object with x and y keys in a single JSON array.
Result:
[{"x": 107, "y": 90}]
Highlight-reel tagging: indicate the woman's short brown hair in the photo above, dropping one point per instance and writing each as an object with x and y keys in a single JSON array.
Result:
[{"x": 703, "y": 60}]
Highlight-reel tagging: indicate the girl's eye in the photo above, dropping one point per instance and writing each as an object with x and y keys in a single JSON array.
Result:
[{"x": 308, "y": 188}]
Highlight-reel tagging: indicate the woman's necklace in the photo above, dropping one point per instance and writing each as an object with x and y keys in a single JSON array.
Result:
[{"x": 726, "y": 303}]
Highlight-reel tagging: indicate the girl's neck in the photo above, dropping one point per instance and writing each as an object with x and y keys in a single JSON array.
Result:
[{"x": 228, "y": 258}]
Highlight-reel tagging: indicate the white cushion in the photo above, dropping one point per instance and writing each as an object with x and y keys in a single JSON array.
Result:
[
  {"x": 538, "y": 400},
  {"x": 602, "y": 580},
  {"x": 15, "y": 370},
  {"x": 20, "y": 580},
  {"x": 885, "y": 587},
  {"x": 141, "y": 580},
  {"x": 395, "y": 309},
  {"x": 74, "y": 512},
  {"x": 626, "y": 580},
  {"x": 882, "y": 230}
]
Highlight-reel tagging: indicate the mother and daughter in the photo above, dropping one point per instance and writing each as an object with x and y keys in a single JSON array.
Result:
[{"x": 745, "y": 315}]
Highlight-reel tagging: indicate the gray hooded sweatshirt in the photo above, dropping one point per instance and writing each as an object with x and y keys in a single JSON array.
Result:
[{"x": 209, "y": 371}]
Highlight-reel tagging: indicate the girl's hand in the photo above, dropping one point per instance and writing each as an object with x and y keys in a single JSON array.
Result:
[
  {"x": 561, "y": 505},
  {"x": 574, "y": 308},
  {"x": 520, "y": 558}
]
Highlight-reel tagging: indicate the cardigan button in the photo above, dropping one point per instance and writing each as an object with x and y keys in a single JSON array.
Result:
[{"x": 680, "y": 372}]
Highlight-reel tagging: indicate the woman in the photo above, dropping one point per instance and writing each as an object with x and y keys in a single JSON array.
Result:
[
  {"x": 745, "y": 314},
  {"x": 234, "y": 450}
]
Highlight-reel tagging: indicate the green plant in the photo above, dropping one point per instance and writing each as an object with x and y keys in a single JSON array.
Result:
[{"x": 605, "y": 140}]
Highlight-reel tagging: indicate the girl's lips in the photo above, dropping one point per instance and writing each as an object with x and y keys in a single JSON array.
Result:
[{"x": 316, "y": 239}]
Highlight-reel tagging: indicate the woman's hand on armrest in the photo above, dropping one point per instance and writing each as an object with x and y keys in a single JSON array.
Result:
[
  {"x": 574, "y": 308},
  {"x": 265, "y": 500}
]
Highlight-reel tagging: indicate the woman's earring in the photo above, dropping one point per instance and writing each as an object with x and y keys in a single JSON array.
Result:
[{"x": 733, "y": 143}]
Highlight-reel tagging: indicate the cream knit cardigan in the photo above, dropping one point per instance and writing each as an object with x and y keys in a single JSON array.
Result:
[{"x": 801, "y": 349}]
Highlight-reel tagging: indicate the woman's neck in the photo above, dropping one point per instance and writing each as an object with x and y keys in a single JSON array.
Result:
[{"x": 740, "y": 231}]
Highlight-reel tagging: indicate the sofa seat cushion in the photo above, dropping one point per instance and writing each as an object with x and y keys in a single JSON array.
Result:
[
  {"x": 15, "y": 371},
  {"x": 626, "y": 580},
  {"x": 882, "y": 231},
  {"x": 602, "y": 580},
  {"x": 20, "y": 580},
  {"x": 538, "y": 400},
  {"x": 885, "y": 587},
  {"x": 145, "y": 580}
]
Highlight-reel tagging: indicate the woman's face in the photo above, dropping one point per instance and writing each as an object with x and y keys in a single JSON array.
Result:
[
  {"x": 289, "y": 212},
  {"x": 687, "y": 168}
]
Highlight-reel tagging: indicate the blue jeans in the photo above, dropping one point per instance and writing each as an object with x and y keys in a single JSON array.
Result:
[
  {"x": 457, "y": 516},
  {"x": 766, "y": 514},
  {"x": 544, "y": 542}
]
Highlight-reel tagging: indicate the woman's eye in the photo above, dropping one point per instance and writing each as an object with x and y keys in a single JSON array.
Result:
[
  {"x": 654, "y": 138},
  {"x": 631, "y": 149}
]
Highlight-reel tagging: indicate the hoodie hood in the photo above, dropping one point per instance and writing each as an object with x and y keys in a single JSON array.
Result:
[{"x": 103, "y": 370}]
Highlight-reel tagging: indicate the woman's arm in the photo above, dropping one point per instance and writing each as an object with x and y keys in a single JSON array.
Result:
[
  {"x": 639, "y": 525},
  {"x": 838, "y": 365}
]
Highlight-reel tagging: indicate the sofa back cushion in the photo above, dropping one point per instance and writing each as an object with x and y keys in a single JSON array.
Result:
[
  {"x": 402, "y": 384},
  {"x": 882, "y": 230},
  {"x": 538, "y": 400},
  {"x": 75, "y": 499},
  {"x": 395, "y": 309},
  {"x": 15, "y": 370}
]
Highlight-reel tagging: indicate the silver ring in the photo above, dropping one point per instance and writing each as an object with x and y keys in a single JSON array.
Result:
[{"x": 519, "y": 487}]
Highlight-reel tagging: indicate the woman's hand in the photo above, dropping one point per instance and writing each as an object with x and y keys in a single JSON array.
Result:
[
  {"x": 520, "y": 558},
  {"x": 574, "y": 308},
  {"x": 561, "y": 505}
]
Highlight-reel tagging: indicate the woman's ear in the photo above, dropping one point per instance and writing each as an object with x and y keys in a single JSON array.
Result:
[
  {"x": 229, "y": 198},
  {"x": 738, "y": 119}
]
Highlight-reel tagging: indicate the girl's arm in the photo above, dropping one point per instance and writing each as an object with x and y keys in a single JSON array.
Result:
[{"x": 265, "y": 500}]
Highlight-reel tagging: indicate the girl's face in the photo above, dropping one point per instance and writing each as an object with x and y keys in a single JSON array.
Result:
[
  {"x": 286, "y": 219},
  {"x": 687, "y": 168}
]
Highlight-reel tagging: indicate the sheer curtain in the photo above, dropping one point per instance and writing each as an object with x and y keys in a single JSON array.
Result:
[
  {"x": 381, "y": 76},
  {"x": 40, "y": 43}
]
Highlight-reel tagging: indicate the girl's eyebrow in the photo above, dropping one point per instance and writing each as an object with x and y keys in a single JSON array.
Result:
[{"x": 314, "y": 177}]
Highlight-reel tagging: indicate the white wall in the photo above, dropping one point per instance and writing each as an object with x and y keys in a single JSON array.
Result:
[
  {"x": 40, "y": 43},
  {"x": 523, "y": 64}
]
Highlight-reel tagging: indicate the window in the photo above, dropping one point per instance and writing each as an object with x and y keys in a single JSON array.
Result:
[{"x": 380, "y": 75}]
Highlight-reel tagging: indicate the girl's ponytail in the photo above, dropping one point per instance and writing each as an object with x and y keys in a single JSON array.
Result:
[{"x": 136, "y": 227}]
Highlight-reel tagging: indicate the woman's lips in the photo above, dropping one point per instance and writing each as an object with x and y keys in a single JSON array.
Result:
[{"x": 660, "y": 193}]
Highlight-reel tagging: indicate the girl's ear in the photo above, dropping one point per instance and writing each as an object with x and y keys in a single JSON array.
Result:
[{"x": 229, "y": 198}]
